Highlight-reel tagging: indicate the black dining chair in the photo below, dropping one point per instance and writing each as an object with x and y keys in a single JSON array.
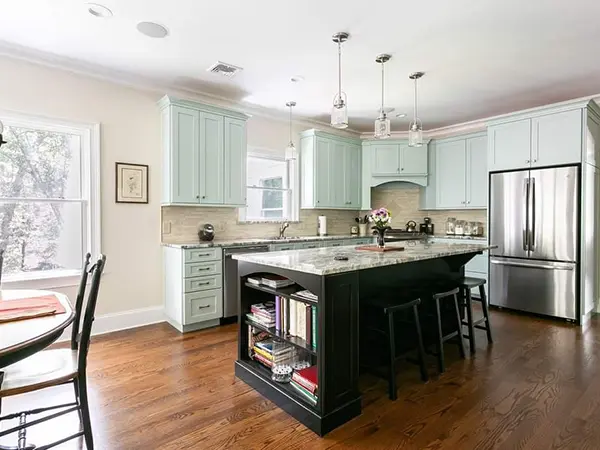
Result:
[{"x": 56, "y": 367}]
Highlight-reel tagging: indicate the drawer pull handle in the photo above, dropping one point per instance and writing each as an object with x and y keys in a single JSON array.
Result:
[
  {"x": 203, "y": 306},
  {"x": 203, "y": 268},
  {"x": 204, "y": 284},
  {"x": 204, "y": 254}
]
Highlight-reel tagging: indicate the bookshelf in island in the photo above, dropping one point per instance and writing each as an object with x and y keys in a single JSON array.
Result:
[{"x": 298, "y": 342}]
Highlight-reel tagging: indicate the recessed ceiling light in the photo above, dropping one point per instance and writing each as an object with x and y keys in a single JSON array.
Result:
[
  {"x": 400, "y": 115},
  {"x": 152, "y": 29},
  {"x": 97, "y": 10},
  {"x": 297, "y": 79}
]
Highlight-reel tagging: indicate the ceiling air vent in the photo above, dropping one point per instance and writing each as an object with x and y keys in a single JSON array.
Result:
[{"x": 225, "y": 69}]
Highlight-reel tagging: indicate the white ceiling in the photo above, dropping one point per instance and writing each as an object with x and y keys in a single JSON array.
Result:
[{"x": 481, "y": 58}]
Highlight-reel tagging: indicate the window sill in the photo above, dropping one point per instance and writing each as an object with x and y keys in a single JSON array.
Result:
[
  {"x": 257, "y": 221},
  {"x": 43, "y": 280}
]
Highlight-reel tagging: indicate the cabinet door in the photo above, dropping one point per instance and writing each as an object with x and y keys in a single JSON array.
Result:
[
  {"x": 509, "y": 145},
  {"x": 385, "y": 160},
  {"x": 413, "y": 160},
  {"x": 556, "y": 139},
  {"x": 211, "y": 158},
  {"x": 450, "y": 168},
  {"x": 323, "y": 173},
  {"x": 184, "y": 157},
  {"x": 235, "y": 162},
  {"x": 352, "y": 178},
  {"x": 477, "y": 173},
  {"x": 337, "y": 167}
]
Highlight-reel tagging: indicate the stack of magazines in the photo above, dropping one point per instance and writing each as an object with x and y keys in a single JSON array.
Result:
[
  {"x": 271, "y": 351},
  {"x": 263, "y": 314},
  {"x": 305, "y": 383},
  {"x": 272, "y": 281}
]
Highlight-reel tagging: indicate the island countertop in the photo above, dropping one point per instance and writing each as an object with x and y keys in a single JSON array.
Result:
[{"x": 321, "y": 261}]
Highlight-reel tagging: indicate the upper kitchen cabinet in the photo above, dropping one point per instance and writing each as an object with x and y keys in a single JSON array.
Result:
[
  {"x": 458, "y": 173},
  {"x": 541, "y": 137},
  {"x": 394, "y": 159},
  {"x": 330, "y": 171},
  {"x": 204, "y": 154}
]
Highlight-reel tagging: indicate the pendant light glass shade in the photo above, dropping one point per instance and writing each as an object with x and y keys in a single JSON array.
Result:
[
  {"x": 415, "y": 129},
  {"x": 291, "y": 154},
  {"x": 383, "y": 129},
  {"x": 339, "y": 111}
]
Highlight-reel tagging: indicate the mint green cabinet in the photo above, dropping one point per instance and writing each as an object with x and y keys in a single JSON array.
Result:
[
  {"x": 414, "y": 160},
  {"x": 509, "y": 145},
  {"x": 330, "y": 171},
  {"x": 183, "y": 160},
  {"x": 385, "y": 160},
  {"x": 459, "y": 175},
  {"x": 204, "y": 154},
  {"x": 235, "y": 161},
  {"x": 397, "y": 159}
]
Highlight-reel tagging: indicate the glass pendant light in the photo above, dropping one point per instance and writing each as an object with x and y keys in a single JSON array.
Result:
[
  {"x": 415, "y": 129},
  {"x": 382, "y": 123},
  {"x": 2, "y": 141},
  {"x": 291, "y": 153},
  {"x": 339, "y": 112}
]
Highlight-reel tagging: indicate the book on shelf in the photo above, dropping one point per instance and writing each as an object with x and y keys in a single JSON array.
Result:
[
  {"x": 255, "y": 281},
  {"x": 276, "y": 281},
  {"x": 308, "y": 330},
  {"x": 270, "y": 346},
  {"x": 278, "y": 313},
  {"x": 307, "y": 378},
  {"x": 259, "y": 321},
  {"x": 304, "y": 393},
  {"x": 307, "y": 295},
  {"x": 293, "y": 321},
  {"x": 314, "y": 327},
  {"x": 301, "y": 320},
  {"x": 261, "y": 359}
]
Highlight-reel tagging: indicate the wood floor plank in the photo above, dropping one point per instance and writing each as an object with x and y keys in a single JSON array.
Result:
[{"x": 536, "y": 388}]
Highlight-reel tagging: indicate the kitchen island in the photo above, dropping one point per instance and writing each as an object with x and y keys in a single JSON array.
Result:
[{"x": 339, "y": 285}]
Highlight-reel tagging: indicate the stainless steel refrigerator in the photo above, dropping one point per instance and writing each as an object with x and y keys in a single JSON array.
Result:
[{"x": 534, "y": 221}]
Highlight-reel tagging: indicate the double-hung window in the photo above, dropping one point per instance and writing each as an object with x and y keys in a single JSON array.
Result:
[
  {"x": 270, "y": 188},
  {"x": 49, "y": 199}
]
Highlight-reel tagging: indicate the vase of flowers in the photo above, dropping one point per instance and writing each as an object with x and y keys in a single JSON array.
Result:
[{"x": 381, "y": 220}]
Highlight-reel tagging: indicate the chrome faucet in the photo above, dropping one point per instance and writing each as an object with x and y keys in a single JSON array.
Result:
[{"x": 284, "y": 226}]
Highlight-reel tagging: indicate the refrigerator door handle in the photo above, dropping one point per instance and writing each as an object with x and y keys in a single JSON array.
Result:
[
  {"x": 532, "y": 217},
  {"x": 525, "y": 215},
  {"x": 532, "y": 266}
]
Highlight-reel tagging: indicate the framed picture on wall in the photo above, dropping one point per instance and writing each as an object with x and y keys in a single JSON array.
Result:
[{"x": 131, "y": 183}]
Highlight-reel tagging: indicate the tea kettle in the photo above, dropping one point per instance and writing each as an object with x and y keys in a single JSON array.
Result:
[{"x": 411, "y": 226}]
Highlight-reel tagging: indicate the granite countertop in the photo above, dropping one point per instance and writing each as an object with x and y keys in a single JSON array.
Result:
[
  {"x": 321, "y": 261},
  {"x": 258, "y": 241}
]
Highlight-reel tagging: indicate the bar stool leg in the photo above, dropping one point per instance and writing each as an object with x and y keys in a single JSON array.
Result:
[
  {"x": 470, "y": 322},
  {"x": 421, "y": 349},
  {"x": 486, "y": 314},
  {"x": 440, "y": 337},
  {"x": 461, "y": 342},
  {"x": 392, "y": 375}
]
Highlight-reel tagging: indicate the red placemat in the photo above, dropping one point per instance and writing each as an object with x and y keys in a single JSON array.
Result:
[{"x": 29, "y": 308}]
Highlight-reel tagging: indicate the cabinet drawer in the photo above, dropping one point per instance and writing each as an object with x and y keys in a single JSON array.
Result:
[
  {"x": 204, "y": 305},
  {"x": 478, "y": 264},
  {"x": 333, "y": 244},
  {"x": 202, "y": 269},
  {"x": 202, "y": 283},
  {"x": 308, "y": 245},
  {"x": 280, "y": 247},
  {"x": 202, "y": 254}
]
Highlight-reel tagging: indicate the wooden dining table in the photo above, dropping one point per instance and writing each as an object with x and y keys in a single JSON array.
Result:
[{"x": 22, "y": 338}]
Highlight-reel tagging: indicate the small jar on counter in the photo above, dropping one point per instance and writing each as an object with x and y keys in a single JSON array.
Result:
[
  {"x": 459, "y": 229},
  {"x": 450, "y": 225}
]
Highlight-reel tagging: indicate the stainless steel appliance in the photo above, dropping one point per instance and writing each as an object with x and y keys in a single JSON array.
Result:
[
  {"x": 426, "y": 227},
  {"x": 534, "y": 221},
  {"x": 411, "y": 226},
  {"x": 395, "y": 235},
  {"x": 230, "y": 275},
  {"x": 207, "y": 232}
]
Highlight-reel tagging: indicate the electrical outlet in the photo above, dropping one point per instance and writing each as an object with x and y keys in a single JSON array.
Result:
[{"x": 166, "y": 229}]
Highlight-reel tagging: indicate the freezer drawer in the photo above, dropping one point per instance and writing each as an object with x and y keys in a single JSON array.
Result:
[{"x": 540, "y": 287}]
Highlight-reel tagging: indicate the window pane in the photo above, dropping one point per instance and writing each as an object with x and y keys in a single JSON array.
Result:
[
  {"x": 266, "y": 203},
  {"x": 41, "y": 236},
  {"x": 275, "y": 213},
  {"x": 40, "y": 164},
  {"x": 267, "y": 172}
]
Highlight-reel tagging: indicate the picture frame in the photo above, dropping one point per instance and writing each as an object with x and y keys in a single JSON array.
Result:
[{"x": 131, "y": 183}]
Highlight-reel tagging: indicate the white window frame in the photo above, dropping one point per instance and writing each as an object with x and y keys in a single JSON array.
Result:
[
  {"x": 89, "y": 134},
  {"x": 293, "y": 187}
]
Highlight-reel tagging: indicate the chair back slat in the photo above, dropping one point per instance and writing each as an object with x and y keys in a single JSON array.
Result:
[
  {"x": 79, "y": 303},
  {"x": 90, "y": 311}
]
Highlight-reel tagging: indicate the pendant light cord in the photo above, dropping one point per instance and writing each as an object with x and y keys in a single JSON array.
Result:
[
  {"x": 382, "y": 87},
  {"x": 340, "y": 71},
  {"x": 415, "y": 108},
  {"x": 291, "y": 124}
]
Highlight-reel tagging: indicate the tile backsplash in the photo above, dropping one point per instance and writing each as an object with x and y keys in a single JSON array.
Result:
[
  {"x": 183, "y": 222},
  {"x": 402, "y": 199}
]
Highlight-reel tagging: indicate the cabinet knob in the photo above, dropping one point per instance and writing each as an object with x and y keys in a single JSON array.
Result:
[
  {"x": 402, "y": 169},
  {"x": 527, "y": 161},
  {"x": 197, "y": 196},
  {"x": 535, "y": 160},
  {"x": 204, "y": 196}
]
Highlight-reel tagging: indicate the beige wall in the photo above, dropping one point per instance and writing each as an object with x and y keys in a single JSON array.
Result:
[
  {"x": 130, "y": 132},
  {"x": 402, "y": 199}
]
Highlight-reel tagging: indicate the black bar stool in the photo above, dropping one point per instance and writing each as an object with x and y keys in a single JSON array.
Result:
[
  {"x": 390, "y": 309},
  {"x": 466, "y": 284},
  {"x": 438, "y": 296}
]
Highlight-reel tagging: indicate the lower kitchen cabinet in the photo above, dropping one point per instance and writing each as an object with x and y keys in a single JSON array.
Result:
[{"x": 193, "y": 288}]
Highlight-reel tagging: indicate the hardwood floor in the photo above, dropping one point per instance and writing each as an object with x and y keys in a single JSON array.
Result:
[{"x": 537, "y": 387}]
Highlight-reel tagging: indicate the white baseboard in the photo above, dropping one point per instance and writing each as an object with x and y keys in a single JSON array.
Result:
[{"x": 124, "y": 320}]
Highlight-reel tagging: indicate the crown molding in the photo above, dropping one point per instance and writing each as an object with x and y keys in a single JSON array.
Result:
[{"x": 161, "y": 88}]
